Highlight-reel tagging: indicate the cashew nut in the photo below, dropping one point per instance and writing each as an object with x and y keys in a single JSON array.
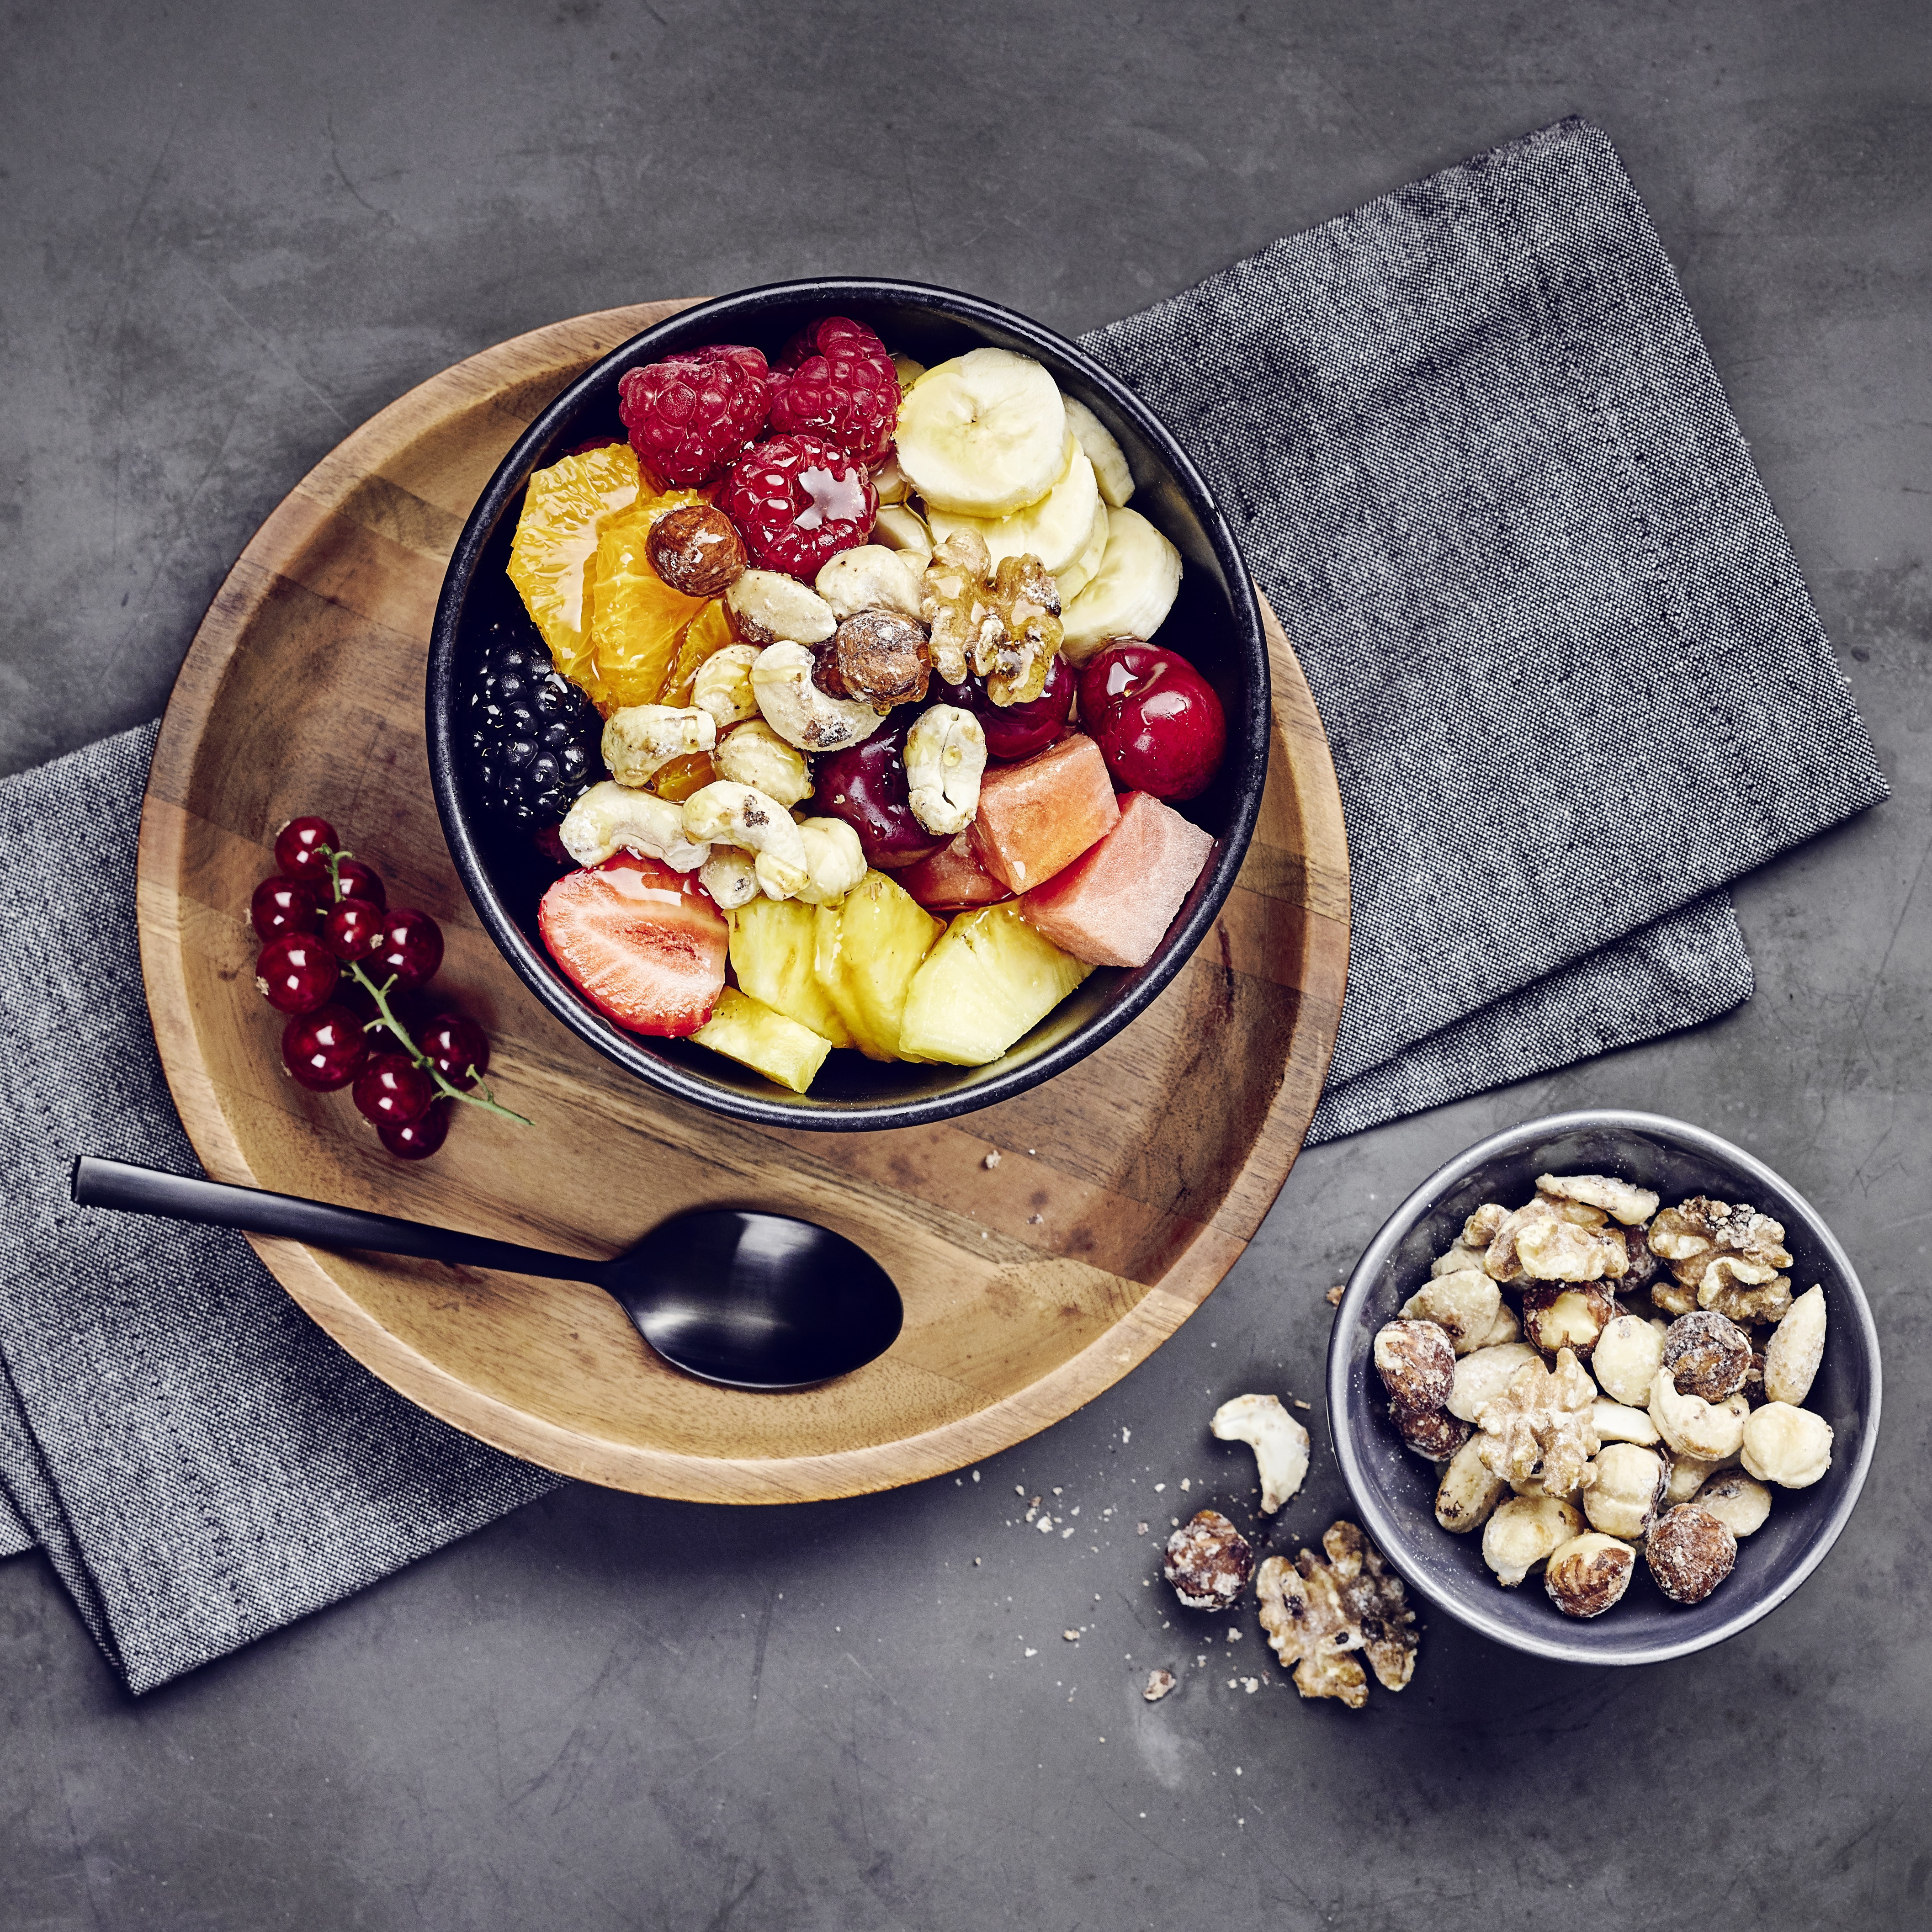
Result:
[
  {"x": 833, "y": 857},
  {"x": 736, "y": 814},
  {"x": 755, "y": 755},
  {"x": 723, "y": 686},
  {"x": 729, "y": 876},
  {"x": 1712, "y": 1431},
  {"x": 798, "y": 711},
  {"x": 640, "y": 740},
  {"x": 870, "y": 577},
  {"x": 945, "y": 754},
  {"x": 1615, "y": 1423},
  {"x": 610, "y": 818},
  {"x": 1280, "y": 1442},
  {"x": 900, "y": 530},
  {"x": 766, "y": 607}
]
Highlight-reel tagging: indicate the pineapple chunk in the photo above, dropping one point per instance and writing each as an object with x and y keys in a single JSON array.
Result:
[
  {"x": 990, "y": 980},
  {"x": 748, "y": 1031},
  {"x": 869, "y": 947},
  {"x": 772, "y": 942}
]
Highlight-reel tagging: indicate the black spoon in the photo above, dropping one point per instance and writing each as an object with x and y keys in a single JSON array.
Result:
[{"x": 746, "y": 1300}]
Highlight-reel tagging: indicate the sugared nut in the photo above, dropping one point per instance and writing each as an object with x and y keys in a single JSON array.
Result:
[
  {"x": 1614, "y": 1423},
  {"x": 1687, "y": 1475},
  {"x": 1467, "y": 1496},
  {"x": 766, "y": 607},
  {"x": 1523, "y": 1531},
  {"x": 1158, "y": 1684},
  {"x": 1722, "y": 1257},
  {"x": 1708, "y": 1355},
  {"x": 1479, "y": 1229},
  {"x": 1464, "y": 1303},
  {"x": 1566, "y": 1318},
  {"x": 1588, "y": 1574},
  {"x": 696, "y": 548},
  {"x": 878, "y": 658},
  {"x": 1317, "y": 1616},
  {"x": 1505, "y": 1328},
  {"x": 1629, "y": 1486},
  {"x": 1482, "y": 1376},
  {"x": 1738, "y": 1502},
  {"x": 753, "y": 753},
  {"x": 1797, "y": 1345},
  {"x": 1433, "y": 1433},
  {"x": 1208, "y": 1562},
  {"x": 1537, "y": 1242},
  {"x": 1631, "y": 1205},
  {"x": 1785, "y": 1445},
  {"x": 1689, "y": 1552},
  {"x": 1280, "y": 1442},
  {"x": 870, "y": 577},
  {"x": 1540, "y": 1426},
  {"x": 1628, "y": 1355},
  {"x": 1693, "y": 1426},
  {"x": 1418, "y": 1364}
]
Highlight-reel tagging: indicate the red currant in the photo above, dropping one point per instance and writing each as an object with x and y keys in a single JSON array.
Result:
[
  {"x": 392, "y": 1090},
  {"x": 410, "y": 946},
  {"x": 355, "y": 881},
  {"x": 458, "y": 1048},
  {"x": 302, "y": 847},
  {"x": 295, "y": 973},
  {"x": 325, "y": 1049},
  {"x": 418, "y": 1139},
  {"x": 284, "y": 905},
  {"x": 352, "y": 929}
]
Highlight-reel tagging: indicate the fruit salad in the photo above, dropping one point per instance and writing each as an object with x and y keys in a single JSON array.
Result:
[{"x": 840, "y": 710}]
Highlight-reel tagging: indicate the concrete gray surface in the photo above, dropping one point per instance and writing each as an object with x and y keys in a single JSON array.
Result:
[{"x": 228, "y": 234}]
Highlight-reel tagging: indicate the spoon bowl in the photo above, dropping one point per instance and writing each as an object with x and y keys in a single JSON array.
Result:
[{"x": 746, "y": 1300}]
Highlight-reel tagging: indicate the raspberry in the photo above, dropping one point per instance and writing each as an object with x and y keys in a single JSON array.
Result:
[
  {"x": 797, "y": 502},
  {"x": 690, "y": 414},
  {"x": 836, "y": 380}
]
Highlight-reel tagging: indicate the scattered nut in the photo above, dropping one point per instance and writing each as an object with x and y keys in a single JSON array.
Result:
[
  {"x": 1708, "y": 1355},
  {"x": 1631, "y": 1205},
  {"x": 1467, "y": 1496},
  {"x": 1540, "y": 1426},
  {"x": 1690, "y": 1553},
  {"x": 1614, "y": 1423},
  {"x": 1630, "y": 1486},
  {"x": 1588, "y": 1574},
  {"x": 1334, "y": 1296},
  {"x": 696, "y": 548},
  {"x": 1464, "y": 1303},
  {"x": 1694, "y": 1427},
  {"x": 1797, "y": 1345},
  {"x": 1786, "y": 1445},
  {"x": 1523, "y": 1531},
  {"x": 1280, "y": 1442},
  {"x": 877, "y": 657},
  {"x": 1627, "y": 1356},
  {"x": 766, "y": 607},
  {"x": 1567, "y": 1318},
  {"x": 1158, "y": 1684},
  {"x": 1316, "y": 1614},
  {"x": 1738, "y": 1502},
  {"x": 1208, "y": 1562},
  {"x": 1418, "y": 1364},
  {"x": 1481, "y": 1376}
]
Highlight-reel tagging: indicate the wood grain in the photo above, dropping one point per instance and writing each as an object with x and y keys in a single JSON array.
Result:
[{"x": 1127, "y": 1188}]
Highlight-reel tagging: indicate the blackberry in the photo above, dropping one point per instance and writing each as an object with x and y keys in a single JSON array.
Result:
[{"x": 535, "y": 735}]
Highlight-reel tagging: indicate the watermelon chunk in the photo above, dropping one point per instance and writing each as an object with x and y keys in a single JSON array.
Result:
[
  {"x": 1038, "y": 816},
  {"x": 952, "y": 879},
  {"x": 1113, "y": 905}
]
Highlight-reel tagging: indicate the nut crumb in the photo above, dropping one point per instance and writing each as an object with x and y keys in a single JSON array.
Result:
[
  {"x": 992, "y": 1158},
  {"x": 1158, "y": 1684},
  {"x": 1034, "y": 1220},
  {"x": 1335, "y": 1294},
  {"x": 1140, "y": 1529},
  {"x": 1070, "y": 1636},
  {"x": 1250, "y": 1685}
]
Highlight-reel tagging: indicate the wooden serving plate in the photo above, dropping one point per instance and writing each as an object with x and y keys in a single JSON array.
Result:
[{"x": 1125, "y": 1190}]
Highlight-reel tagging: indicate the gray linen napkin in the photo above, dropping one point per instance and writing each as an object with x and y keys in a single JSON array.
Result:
[{"x": 1477, "y": 455}]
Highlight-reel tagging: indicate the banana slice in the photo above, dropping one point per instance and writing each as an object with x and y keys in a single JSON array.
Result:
[
  {"x": 1133, "y": 590},
  {"x": 1081, "y": 572},
  {"x": 983, "y": 435},
  {"x": 1057, "y": 530},
  {"x": 1109, "y": 461},
  {"x": 909, "y": 371}
]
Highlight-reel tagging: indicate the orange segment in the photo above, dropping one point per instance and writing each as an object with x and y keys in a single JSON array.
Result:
[
  {"x": 682, "y": 776},
  {"x": 634, "y": 618},
  {"x": 565, "y": 509},
  {"x": 709, "y": 631}
]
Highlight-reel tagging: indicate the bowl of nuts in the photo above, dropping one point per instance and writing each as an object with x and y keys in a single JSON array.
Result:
[{"x": 1604, "y": 1388}]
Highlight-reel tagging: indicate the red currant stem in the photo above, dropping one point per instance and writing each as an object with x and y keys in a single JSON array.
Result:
[
  {"x": 335, "y": 859},
  {"x": 485, "y": 1099}
]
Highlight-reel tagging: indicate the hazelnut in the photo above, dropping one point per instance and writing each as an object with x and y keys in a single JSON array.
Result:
[
  {"x": 1588, "y": 1574},
  {"x": 1432, "y": 1433},
  {"x": 1690, "y": 1553},
  {"x": 1708, "y": 1355},
  {"x": 696, "y": 548},
  {"x": 1739, "y": 1501},
  {"x": 1417, "y": 1362},
  {"x": 1208, "y": 1562},
  {"x": 1628, "y": 1355},
  {"x": 1574, "y": 1318},
  {"x": 1629, "y": 1486},
  {"x": 1790, "y": 1447},
  {"x": 877, "y": 657},
  {"x": 1523, "y": 1531}
]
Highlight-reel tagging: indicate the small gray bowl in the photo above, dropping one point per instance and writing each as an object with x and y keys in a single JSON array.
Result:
[{"x": 1394, "y": 1490}]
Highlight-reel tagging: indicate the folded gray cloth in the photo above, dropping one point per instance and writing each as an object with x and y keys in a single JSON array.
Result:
[
  {"x": 1473, "y": 446},
  {"x": 200, "y": 1461}
]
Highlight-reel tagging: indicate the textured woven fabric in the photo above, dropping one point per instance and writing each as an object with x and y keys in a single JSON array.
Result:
[
  {"x": 201, "y": 1462},
  {"x": 1471, "y": 442}
]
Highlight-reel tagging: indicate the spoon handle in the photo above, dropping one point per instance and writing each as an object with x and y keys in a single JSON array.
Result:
[{"x": 147, "y": 1190}]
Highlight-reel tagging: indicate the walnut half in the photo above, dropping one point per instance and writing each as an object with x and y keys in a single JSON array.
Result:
[{"x": 1318, "y": 1616}]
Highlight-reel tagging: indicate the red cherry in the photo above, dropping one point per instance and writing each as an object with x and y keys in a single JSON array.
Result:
[
  {"x": 1016, "y": 730},
  {"x": 418, "y": 1139},
  {"x": 392, "y": 1090},
  {"x": 865, "y": 785},
  {"x": 284, "y": 905},
  {"x": 352, "y": 929},
  {"x": 295, "y": 973},
  {"x": 458, "y": 1048},
  {"x": 410, "y": 946},
  {"x": 325, "y": 1049},
  {"x": 302, "y": 847},
  {"x": 355, "y": 881},
  {"x": 1155, "y": 718}
]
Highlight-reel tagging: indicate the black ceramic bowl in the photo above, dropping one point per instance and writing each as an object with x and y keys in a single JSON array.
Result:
[
  {"x": 1395, "y": 1490},
  {"x": 1217, "y": 623}
]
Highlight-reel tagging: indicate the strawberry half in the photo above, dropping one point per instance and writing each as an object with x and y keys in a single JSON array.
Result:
[{"x": 643, "y": 944}]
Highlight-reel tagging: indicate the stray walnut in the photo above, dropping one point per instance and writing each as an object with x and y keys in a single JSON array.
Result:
[
  {"x": 1158, "y": 1684},
  {"x": 1208, "y": 1562},
  {"x": 1541, "y": 1425},
  {"x": 1708, "y": 1355},
  {"x": 1689, "y": 1552},
  {"x": 1317, "y": 1615}
]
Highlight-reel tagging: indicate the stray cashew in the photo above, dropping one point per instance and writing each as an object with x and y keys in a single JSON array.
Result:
[
  {"x": 1465, "y": 1304},
  {"x": 798, "y": 711},
  {"x": 736, "y": 814},
  {"x": 640, "y": 740},
  {"x": 1523, "y": 1531},
  {"x": 945, "y": 754},
  {"x": 870, "y": 577},
  {"x": 754, "y": 754},
  {"x": 833, "y": 857},
  {"x": 1280, "y": 1442},
  {"x": 723, "y": 686},
  {"x": 1467, "y": 1496},
  {"x": 610, "y": 818},
  {"x": 766, "y": 607},
  {"x": 730, "y": 877},
  {"x": 1628, "y": 1355},
  {"x": 1797, "y": 1345},
  {"x": 1787, "y": 1446},
  {"x": 1712, "y": 1431}
]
